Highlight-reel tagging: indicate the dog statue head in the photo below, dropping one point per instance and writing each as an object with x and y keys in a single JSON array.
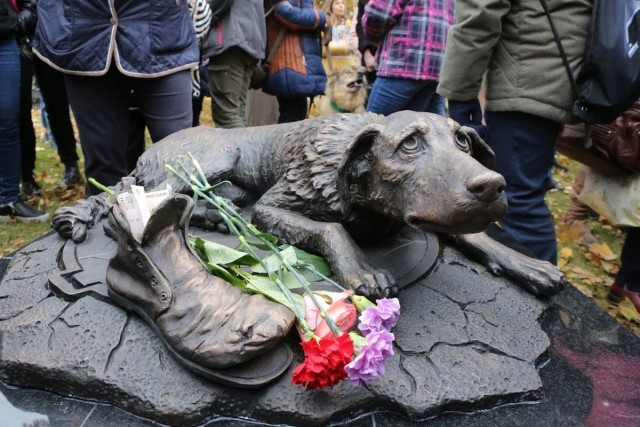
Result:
[{"x": 424, "y": 170}]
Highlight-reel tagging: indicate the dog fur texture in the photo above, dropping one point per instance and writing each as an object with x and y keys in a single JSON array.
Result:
[
  {"x": 346, "y": 92},
  {"x": 324, "y": 184}
]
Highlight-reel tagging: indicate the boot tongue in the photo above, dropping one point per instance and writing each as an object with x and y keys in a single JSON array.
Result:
[{"x": 172, "y": 212}]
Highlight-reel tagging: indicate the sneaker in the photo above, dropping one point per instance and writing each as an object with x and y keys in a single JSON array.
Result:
[
  {"x": 22, "y": 212},
  {"x": 30, "y": 188},
  {"x": 71, "y": 175}
]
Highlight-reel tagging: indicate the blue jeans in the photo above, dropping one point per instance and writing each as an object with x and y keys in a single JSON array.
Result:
[
  {"x": 9, "y": 120},
  {"x": 524, "y": 147},
  {"x": 390, "y": 95}
]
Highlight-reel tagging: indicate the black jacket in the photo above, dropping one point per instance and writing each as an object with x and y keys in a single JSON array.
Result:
[{"x": 14, "y": 22}]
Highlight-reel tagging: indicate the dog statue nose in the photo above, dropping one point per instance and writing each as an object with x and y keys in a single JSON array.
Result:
[{"x": 486, "y": 187}]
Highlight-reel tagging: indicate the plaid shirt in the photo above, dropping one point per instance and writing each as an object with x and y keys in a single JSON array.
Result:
[{"x": 412, "y": 33}]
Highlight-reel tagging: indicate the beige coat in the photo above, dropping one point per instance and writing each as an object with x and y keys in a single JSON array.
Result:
[{"x": 512, "y": 42}]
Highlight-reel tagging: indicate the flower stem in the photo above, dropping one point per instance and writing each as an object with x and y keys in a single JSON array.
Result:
[
  {"x": 101, "y": 187},
  {"x": 242, "y": 230}
]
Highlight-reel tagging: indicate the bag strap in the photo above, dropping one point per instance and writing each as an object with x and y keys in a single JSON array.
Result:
[
  {"x": 276, "y": 44},
  {"x": 280, "y": 35},
  {"x": 556, "y": 36}
]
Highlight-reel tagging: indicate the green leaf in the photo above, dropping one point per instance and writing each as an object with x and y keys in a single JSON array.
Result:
[
  {"x": 267, "y": 287},
  {"x": 273, "y": 261},
  {"x": 290, "y": 280},
  {"x": 224, "y": 274},
  {"x": 222, "y": 255},
  {"x": 261, "y": 235},
  {"x": 316, "y": 263}
]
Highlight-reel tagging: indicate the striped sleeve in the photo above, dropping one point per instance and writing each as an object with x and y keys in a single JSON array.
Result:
[{"x": 201, "y": 16}]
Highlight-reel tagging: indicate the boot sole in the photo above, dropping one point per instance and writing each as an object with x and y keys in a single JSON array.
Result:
[{"x": 254, "y": 373}]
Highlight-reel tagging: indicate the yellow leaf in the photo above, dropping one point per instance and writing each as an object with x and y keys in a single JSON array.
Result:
[
  {"x": 609, "y": 267},
  {"x": 602, "y": 251},
  {"x": 582, "y": 274},
  {"x": 565, "y": 254},
  {"x": 629, "y": 312}
]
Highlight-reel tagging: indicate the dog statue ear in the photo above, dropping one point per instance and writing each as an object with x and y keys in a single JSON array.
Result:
[
  {"x": 355, "y": 164},
  {"x": 479, "y": 149}
]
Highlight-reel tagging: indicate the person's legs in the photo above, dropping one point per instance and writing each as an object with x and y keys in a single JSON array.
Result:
[
  {"x": 524, "y": 147},
  {"x": 137, "y": 141},
  {"x": 27, "y": 134},
  {"x": 629, "y": 273},
  {"x": 54, "y": 94},
  {"x": 390, "y": 95},
  {"x": 165, "y": 103},
  {"x": 229, "y": 76},
  {"x": 9, "y": 121},
  {"x": 292, "y": 109},
  {"x": 101, "y": 109},
  {"x": 11, "y": 205}
]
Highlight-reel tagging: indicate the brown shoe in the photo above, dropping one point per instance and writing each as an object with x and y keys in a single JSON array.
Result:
[
  {"x": 617, "y": 293},
  {"x": 209, "y": 325}
]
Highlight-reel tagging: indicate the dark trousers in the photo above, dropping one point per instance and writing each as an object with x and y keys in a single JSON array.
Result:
[
  {"x": 101, "y": 108},
  {"x": 229, "y": 75},
  {"x": 629, "y": 273},
  {"x": 524, "y": 148},
  {"x": 27, "y": 134},
  {"x": 292, "y": 109},
  {"x": 54, "y": 95}
]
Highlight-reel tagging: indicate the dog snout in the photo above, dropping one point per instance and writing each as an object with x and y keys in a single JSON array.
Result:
[{"x": 487, "y": 187}]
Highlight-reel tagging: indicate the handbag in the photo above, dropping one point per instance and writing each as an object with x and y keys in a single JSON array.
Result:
[
  {"x": 616, "y": 198},
  {"x": 611, "y": 149},
  {"x": 261, "y": 69}
]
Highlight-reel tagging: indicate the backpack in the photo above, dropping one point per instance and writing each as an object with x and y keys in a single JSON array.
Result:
[{"x": 609, "y": 82}]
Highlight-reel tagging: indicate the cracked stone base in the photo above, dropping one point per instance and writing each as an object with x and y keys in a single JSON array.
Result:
[{"x": 465, "y": 340}]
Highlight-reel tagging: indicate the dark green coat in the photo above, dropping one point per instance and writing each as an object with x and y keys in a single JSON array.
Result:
[{"x": 511, "y": 41}]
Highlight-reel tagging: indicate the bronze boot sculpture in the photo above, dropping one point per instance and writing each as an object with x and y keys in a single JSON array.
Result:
[{"x": 209, "y": 325}]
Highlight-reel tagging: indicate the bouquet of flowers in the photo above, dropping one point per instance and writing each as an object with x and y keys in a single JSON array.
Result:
[{"x": 334, "y": 348}]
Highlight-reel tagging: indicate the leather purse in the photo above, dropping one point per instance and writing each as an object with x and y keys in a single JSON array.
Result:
[{"x": 611, "y": 149}]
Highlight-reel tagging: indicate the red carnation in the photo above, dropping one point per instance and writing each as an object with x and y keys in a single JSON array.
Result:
[{"x": 324, "y": 362}]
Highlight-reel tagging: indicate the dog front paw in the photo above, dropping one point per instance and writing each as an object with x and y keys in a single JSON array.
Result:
[
  {"x": 370, "y": 282},
  {"x": 71, "y": 222},
  {"x": 206, "y": 216},
  {"x": 540, "y": 278}
]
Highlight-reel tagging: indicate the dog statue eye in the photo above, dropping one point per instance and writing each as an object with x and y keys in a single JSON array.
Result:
[
  {"x": 411, "y": 144},
  {"x": 463, "y": 142}
]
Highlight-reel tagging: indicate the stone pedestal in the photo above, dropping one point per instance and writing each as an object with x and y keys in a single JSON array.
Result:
[{"x": 465, "y": 341}]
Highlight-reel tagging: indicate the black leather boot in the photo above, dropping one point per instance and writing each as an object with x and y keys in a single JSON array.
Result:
[{"x": 209, "y": 325}]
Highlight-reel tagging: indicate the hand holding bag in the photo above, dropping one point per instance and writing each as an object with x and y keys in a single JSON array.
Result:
[{"x": 612, "y": 149}]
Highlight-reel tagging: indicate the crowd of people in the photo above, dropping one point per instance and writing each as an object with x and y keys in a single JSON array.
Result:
[{"x": 140, "y": 64}]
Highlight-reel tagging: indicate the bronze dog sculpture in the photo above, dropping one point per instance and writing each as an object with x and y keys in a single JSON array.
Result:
[{"x": 325, "y": 183}]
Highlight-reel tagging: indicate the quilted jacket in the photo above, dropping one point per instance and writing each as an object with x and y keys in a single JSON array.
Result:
[
  {"x": 296, "y": 67},
  {"x": 146, "y": 38}
]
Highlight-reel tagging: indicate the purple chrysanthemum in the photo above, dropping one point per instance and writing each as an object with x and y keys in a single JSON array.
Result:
[
  {"x": 369, "y": 364},
  {"x": 381, "y": 317}
]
